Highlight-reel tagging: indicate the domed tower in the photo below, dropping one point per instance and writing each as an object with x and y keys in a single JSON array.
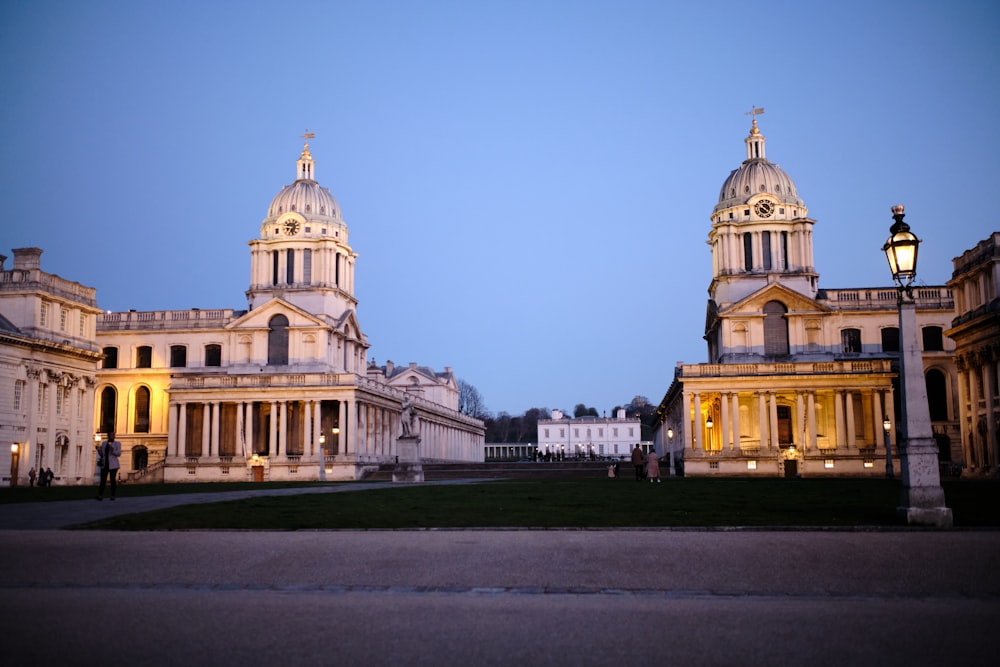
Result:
[
  {"x": 302, "y": 255},
  {"x": 760, "y": 230}
]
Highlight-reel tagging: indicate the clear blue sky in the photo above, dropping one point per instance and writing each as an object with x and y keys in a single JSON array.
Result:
[{"x": 528, "y": 184}]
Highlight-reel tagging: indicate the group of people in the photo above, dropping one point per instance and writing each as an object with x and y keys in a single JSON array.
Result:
[
  {"x": 647, "y": 466},
  {"x": 44, "y": 477}
]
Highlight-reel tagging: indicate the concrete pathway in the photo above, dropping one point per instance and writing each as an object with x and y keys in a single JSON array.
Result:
[{"x": 492, "y": 597}]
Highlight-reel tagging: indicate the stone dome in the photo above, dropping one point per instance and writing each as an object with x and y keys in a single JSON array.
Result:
[
  {"x": 305, "y": 196},
  {"x": 756, "y": 176}
]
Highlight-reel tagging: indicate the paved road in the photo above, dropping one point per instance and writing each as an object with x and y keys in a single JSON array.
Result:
[{"x": 495, "y": 597}]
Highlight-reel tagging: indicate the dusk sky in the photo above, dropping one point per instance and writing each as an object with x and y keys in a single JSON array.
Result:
[{"x": 528, "y": 184}]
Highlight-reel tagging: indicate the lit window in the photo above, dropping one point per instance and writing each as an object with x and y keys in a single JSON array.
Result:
[
  {"x": 751, "y": 465},
  {"x": 869, "y": 463},
  {"x": 828, "y": 463}
]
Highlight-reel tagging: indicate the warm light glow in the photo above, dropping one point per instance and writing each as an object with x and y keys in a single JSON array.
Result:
[
  {"x": 670, "y": 433},
  {"x": 322, "y": 439},
  {"x": 13, "y": 448},
  {"x": 97, "y": 438},
  {"x": 709, "y": 423},
  {"x": 901, "y": 250},
  {"x": 336, "y": 430},
  {"x": 886, "y": 424}
]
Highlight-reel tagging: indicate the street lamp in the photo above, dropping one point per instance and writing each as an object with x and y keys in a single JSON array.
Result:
[
  {"x": 322, "y": 457},
  {"x": 922, "y": 498},
  {"x": 887, "y": 426},
  {"x": 709, "y": 424},
  {"x": 670, "y": 450},
  {"x": 15, "y": 455}
]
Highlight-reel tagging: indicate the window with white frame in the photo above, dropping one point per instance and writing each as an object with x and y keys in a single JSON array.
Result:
[
  {"x": 63, "y": 319},
  {"x": 43, "y": 315},
  {"x": 18, "y": 393}
]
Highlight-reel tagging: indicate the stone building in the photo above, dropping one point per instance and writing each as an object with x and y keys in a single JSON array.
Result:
[
  {"x": 48, "y": 369},
  {"x": 800, "y": 379},
  {"x": 589, "y": 437},
  {"x": 976, "y": 332},
  {"x": 282, "y": 390}
]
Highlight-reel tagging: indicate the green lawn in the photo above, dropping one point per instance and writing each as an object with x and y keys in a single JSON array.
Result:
[{"x": 574, "y": 503}]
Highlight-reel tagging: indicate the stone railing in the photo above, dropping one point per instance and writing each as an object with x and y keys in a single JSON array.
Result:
[
  {"x": 165, "y": 319},
  {"x": 885, "y": 298},
  {"x": 786, "y": 368}
]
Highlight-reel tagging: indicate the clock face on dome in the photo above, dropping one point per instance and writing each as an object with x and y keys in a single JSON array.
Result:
[
  {"x": 764, "y": 208},
  {"x": 291, "y": 227}
]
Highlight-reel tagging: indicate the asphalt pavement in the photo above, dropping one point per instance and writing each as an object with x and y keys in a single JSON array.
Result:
[{"x": 489, "y": 597}]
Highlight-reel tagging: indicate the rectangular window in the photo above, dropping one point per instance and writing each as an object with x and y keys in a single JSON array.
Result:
[
  {"x": 110, "y": 357},
  {"x": 576, "y": 433},
  {"x": 178, "y": 356},
  {"x": 765, "y": 249},
  {"x": 748, "y": 252},
  {"x": 307, "y": 265},
  {"x": 546, "y": 433},
  {"x": 751, "y": 465},
  {"x": 828, "y": 463},
  {"x": 83, "y": 325},
  {"x": 60, "y": 397},
  {"x": 63, "y": 319},
  {"x": 851, "y": 341},
  {"x": 43, "y": 316},
  {"x": 144, "y": 357},
  {"x": 41, "y": 397},
  {"x": 784, "y": 248},
  {"x": 213, "y": 355},
  {"x": 274, "y": 268},
  {"x": 890, "y": 339},
  {"x": 600, "y": 433},
  {"x": 290, "y": 267},
  {"x": 869, "y": 463},
  {"x": 933, "y": 341},
  {"x": 713, "y": 465},
  {"x": 18, "y": 392},
  {"x": 631, "y": 431}
]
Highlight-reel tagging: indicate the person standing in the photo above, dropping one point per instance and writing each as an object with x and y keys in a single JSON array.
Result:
[
  {"x": 31, "y": 476},
  {"x": 653, "y": 466},
  {"x": 107, "y": 460},
  {"x": 638, "y": 460}
]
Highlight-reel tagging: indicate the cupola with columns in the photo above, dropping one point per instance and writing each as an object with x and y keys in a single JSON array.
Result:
[
  {"x": 761, "y": 232},
  {"x": 302, "y": 255}
]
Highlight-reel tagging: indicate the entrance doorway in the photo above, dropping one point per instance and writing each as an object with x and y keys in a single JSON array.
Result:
[
  {"x": 258, "y": 473},
  {"x": 791, "y": 468}
]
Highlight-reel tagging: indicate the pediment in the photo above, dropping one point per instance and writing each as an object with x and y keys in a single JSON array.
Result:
[
  {"x": 796, "y": 302},
  {"x": 260, "y": 317}
]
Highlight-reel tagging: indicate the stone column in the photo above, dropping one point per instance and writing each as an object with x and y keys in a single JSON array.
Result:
[
  {"x": 725, "y": 441},
  {"x": 697, "y": 423},
  {"x": 172, "y": 429},
  {"x": 852, "y": 436},
  {"x": 811, "y": 402},
  {"x": 800, "y": 421},
  {"x": 214, "y": 441},
  {"x": 182, "y": 429},
  {"x": 988, "y": 369},
  {"x": 736, "y": 420},
  {"x": 977, "y": 458},
  {"x": 272, "y": 434},
  {"x": 240, "y": 437},
  {"x": 687, "y": 432},
  {"x": 877, "y": 418},
  {"x": 775, "y": 440},
  {"x": 838, "y": 411},
  {"x": 206, "y": 429},
  {"x": 248, "y": 428},
  {"x": 764, "y": 426}
]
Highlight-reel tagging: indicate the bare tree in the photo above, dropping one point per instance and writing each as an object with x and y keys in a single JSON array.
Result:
[{"x": 470, "y": 401}]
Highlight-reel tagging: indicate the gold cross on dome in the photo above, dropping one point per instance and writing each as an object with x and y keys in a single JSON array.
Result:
[{"x": 312, "y": 135}]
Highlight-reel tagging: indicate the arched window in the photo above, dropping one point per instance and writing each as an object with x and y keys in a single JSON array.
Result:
[
  {"x": 775, "y": 329},
  {"x": 277, "y": 341},
  {"x": 142, "y": 410},
  {"x": 937, "y": 395},
  {"x": 748, "y": 252},
  {"x": 108, "y": 403}
]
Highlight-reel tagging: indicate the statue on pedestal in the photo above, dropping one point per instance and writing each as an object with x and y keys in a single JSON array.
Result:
[{"x": 409, "y": 418}]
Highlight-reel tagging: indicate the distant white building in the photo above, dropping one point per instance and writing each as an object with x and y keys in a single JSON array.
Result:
[{"x": 589, "y": 437}]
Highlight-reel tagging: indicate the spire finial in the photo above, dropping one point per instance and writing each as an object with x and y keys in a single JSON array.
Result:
[{"x": 753, "y": 113}]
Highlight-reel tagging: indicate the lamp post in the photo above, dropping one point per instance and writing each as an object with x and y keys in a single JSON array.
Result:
[
  {"x": 887, "y": 426},
  {"x": 709, "y": 424},
  {"x": 922, "y": 498},
  {"x": 15, "y": 455},
  {"x": 670, "y": 450},
  {"x": 322, "y": 457}
]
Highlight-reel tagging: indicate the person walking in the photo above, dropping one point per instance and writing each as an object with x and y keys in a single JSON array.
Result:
[
  {"x": 653, "y": 467},
  {"x": 107, "y": 460},
  {"x": 639, "y": 461}
]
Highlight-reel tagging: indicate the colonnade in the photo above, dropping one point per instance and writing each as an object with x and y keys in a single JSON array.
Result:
[
  {"x": 979, "y": 412},
  {"x": 803, "y": 419},
  {"x": 59, "y": 408}
]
